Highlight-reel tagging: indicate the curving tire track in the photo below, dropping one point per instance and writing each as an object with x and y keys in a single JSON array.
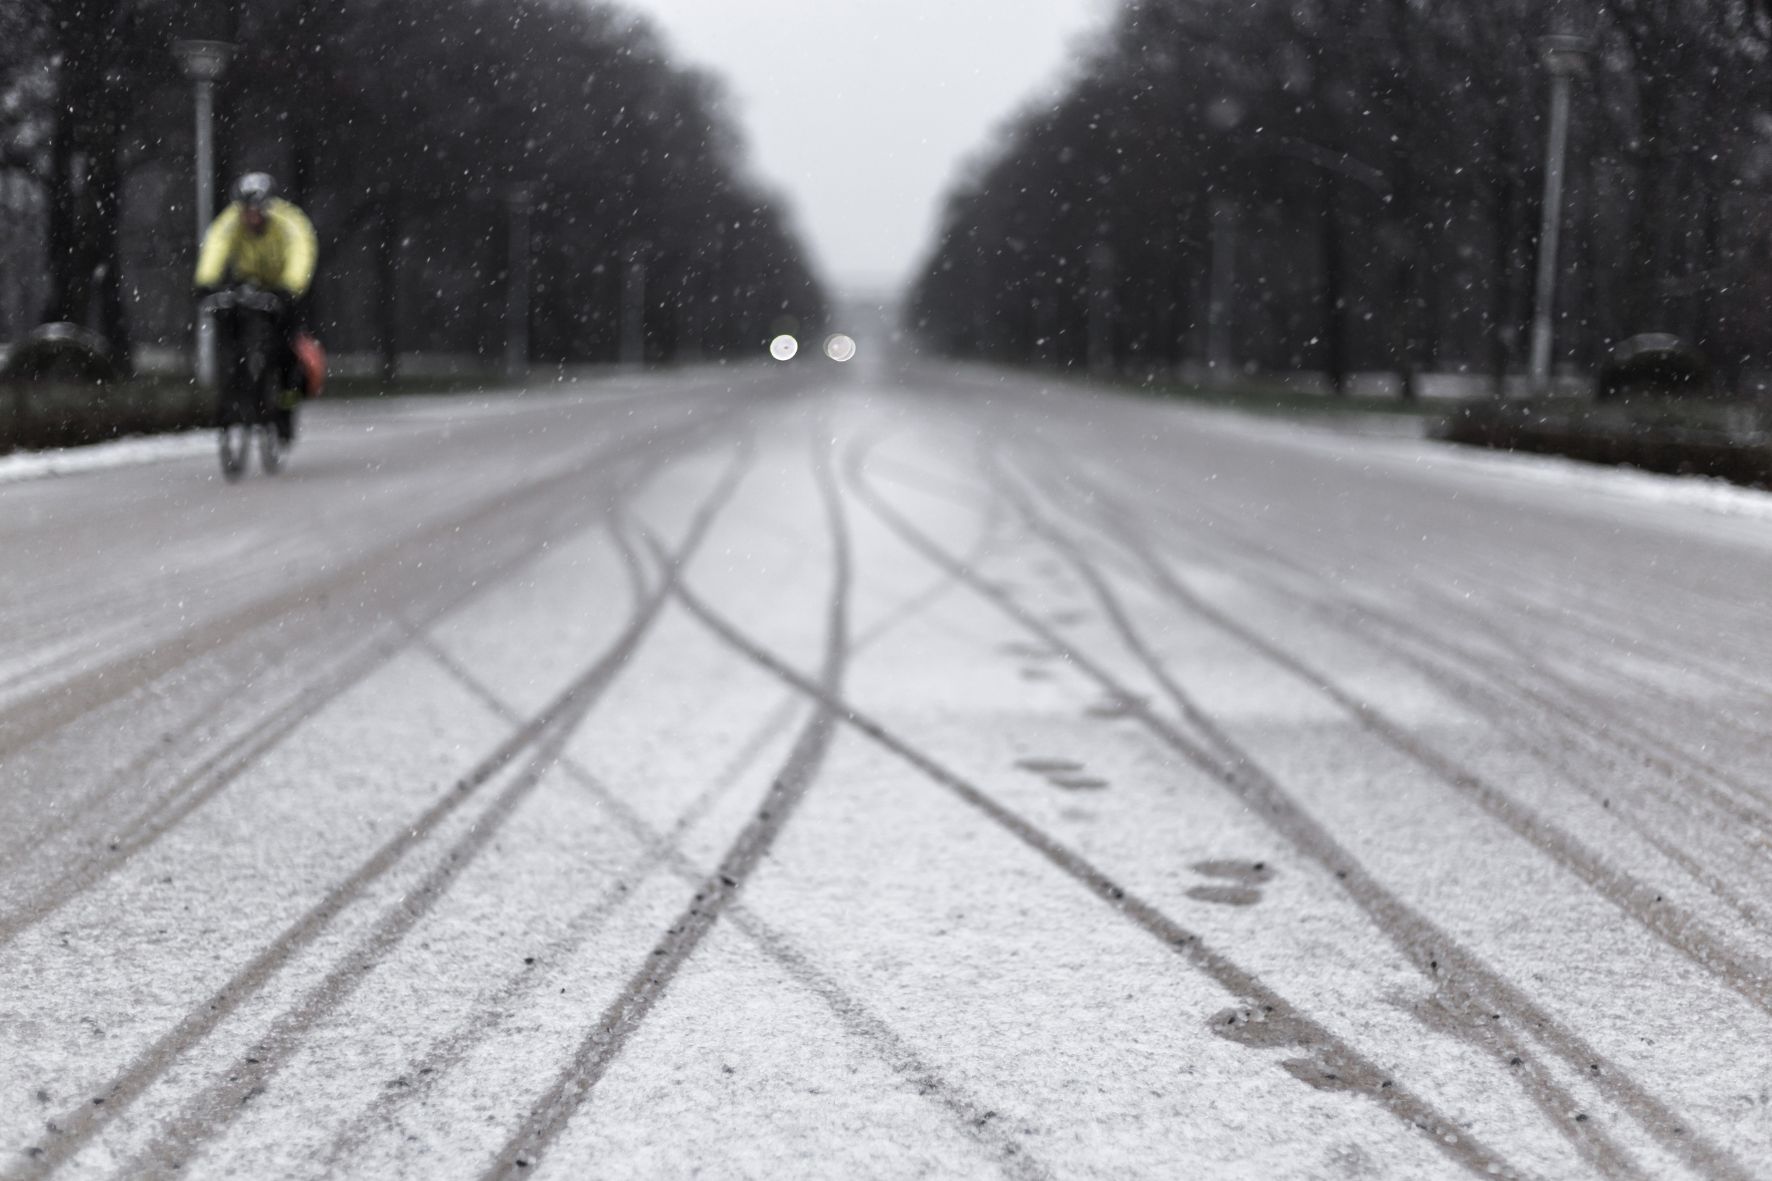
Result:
[
  {"x": 218, "y": 769},
  {"x": 1440, "y": 657},
  {"x": 1302, "y": 544},
  {"x": 1285, "y": 1025},
  {"x": 1600, "y": 581},
  {"x": 1600, "y": 775},
  {"x": 484, "y": 544},
  {"x": 1485, "y": 685},
  {"x": 662, "y": 850},
  {"x": 55, "y": 706},
  {"x": 1559, "y": 1105},
  {"x": 1097, "y": 519},
  {"x": 1471, "y": 986},
  {"x": 573, "y": 1086},
  {"x": 964, "y": 1112},
  {"x": 209, "y": 1111},
  {"x": 1684, "y": 932},
  {"x": 658, "y": 849},
  {"x": 498, "y": 545}
]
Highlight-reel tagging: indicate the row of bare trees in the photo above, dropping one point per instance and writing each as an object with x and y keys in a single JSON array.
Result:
[
  {"x": 415, "y": 132},
  {"x": 1342, "y": 185}
]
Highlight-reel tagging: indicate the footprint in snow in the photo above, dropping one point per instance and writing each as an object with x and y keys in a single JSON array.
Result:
[
  {"x": 1238, "y": 882},
  {"x": 1064, "y": 774}
]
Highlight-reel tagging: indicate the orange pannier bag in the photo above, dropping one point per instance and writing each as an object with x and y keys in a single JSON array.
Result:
[{"x": 312, "y": 359}]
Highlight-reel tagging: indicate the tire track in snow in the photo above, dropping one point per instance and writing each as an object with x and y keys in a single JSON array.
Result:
[
  {"x": 1554, "y": 526},
  {"x": 1604, "y": 720},
  {"x": 1493, "y": 692},
  {"x": 1440, "y": 959},
  {"x": 1335, "y": 1063},
  {"x": 663, "y": 850},
  {"x": 220, "y": 768},
  {"x": 56, "y": 706},
  {"x": 1148, "y": 479},
  {"x": 1532, "y": 733},
  {"x": 1742, "y": 799},
  {"x": 970, "y": 1117},
  {"x": 1630, "y": 733},
  {"x": 658, "y": 849},
  {"x": 1558, "y": 1105},
  {"x": 507, "y": 550},
  {"x": 1392, "y": 632},
  {"x": 473, "y": 542},
  {"x": 1389, "y": 632},
  {"x": 1676, "y": 928},
  {"x": 600, "y": 1047},
  {"x": 212, "y": 1107},
  {"x": 207, "y": 1114},
  {"x": 1640, "y": 638}
]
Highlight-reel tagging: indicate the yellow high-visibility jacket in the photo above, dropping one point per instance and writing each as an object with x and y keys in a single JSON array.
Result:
[{"x": 281, "y": 258}]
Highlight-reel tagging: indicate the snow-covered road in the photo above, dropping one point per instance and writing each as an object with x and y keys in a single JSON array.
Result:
[{"x": 736, "y": 775}]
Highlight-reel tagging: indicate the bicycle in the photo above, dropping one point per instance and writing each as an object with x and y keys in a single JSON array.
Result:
[{"x": 252, "y": 385}]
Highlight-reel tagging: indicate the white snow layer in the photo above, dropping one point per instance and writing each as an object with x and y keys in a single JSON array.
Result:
[
  {"x": 1707, "y": 493},
  {"x": 68, "y": 461}
]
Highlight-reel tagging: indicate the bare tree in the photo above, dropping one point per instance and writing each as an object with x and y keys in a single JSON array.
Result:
[
  {"x": 1366, "y": 176},
  {"x": 404, "y": 126}
]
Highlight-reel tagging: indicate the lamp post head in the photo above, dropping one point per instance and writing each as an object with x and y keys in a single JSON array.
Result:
[
  {"x": 1565, "y": 55},
  {"x": 204, "y": 61}
]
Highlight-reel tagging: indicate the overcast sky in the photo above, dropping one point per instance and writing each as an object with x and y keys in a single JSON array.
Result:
[{"x": 862, "y": 111}]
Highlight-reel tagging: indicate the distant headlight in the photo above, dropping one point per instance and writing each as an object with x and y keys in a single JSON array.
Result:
[
  {"x": 840, "y": 348},
  {"x": 784, "y": 348}
]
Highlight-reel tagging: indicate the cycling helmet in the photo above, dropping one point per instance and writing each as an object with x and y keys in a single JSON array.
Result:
[{"x": 254, "y": 189}]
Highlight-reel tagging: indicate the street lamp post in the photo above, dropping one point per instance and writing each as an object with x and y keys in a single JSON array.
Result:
[
  {"x": 1565, "y": 57},
  {"x": 204, "y": 63},
  {"x": 633, "y": 305}
]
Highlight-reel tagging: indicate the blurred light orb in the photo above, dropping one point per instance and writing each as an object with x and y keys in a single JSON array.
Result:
[
  {"x": 840, "y": 348},
  {"x": 784, "y": 348}
]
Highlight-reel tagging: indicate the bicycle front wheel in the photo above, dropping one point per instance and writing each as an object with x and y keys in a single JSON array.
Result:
[
  {"x": 235, "y": 438},
  {"x": 270, "y": 448},
  {"x": 270, "y": 440}
]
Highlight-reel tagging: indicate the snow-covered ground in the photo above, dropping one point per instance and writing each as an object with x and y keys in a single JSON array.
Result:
[
  {"x": 67, "y": 461},
  {"x": 734, "y": 776}
]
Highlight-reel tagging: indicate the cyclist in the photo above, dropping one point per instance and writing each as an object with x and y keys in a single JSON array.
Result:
[{"x": 264, "y": 240}]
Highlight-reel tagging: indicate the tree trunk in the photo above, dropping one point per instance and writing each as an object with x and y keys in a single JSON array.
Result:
[
  {"x": 65, "y": 191},
  {"x": 1400, "y": 21},
  {"x": 1501, "y": 274},
  {"x": 387, "y": 269},
  {"x": 1333, "y": 293},
  {"x": 1654, "y": 210},
  {"x": 107, "y": 203},
  {"x": 85, "y": 180}
]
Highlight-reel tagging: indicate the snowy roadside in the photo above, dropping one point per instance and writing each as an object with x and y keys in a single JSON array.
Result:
[
  {"x": 421, "y": 409},
  {"x": 68, "y": 461},
  {"x": 1399, "y": 440},
  {"x": 1708, "y": 493}
]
